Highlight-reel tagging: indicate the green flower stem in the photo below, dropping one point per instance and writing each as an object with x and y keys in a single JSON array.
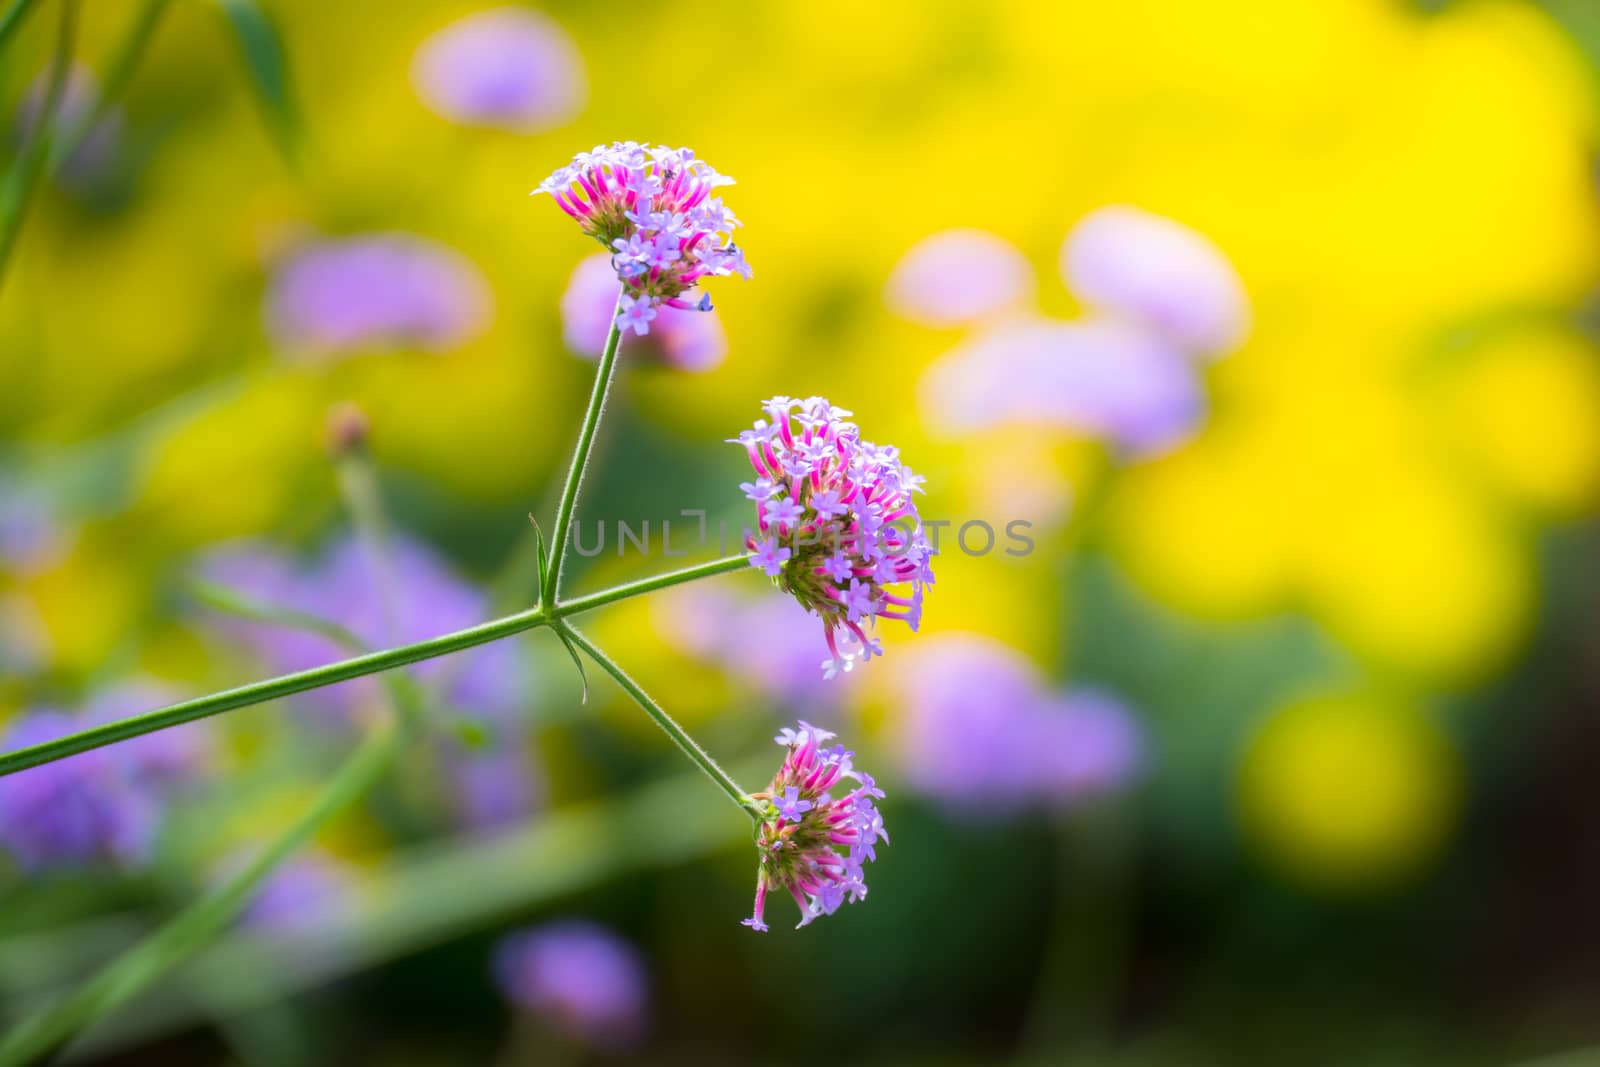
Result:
[
  {"x": 649, "y": 585},
  {"x": 354, "y": 667},
  {"x": 701, "y": 758},
  {"x": 197, "y": 925},
  {"x": 404, "y": 694},
  {"x": 580, "y": 460},
  {"x": 271, "y": 689},
  {"x": 118, "y": 73},
  {"x": 30, "y": 163},
  {"x": 221, "y": 598}
]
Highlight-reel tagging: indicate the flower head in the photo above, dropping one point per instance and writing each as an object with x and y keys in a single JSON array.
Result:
[
  {"x": 854, "y": 547},
  {"x": 820, "y": 825},
  {"x": 652, "y": 209}
]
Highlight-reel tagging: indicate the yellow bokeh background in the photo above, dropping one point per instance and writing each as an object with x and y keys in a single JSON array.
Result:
[{"x": 1408, "y": 197}]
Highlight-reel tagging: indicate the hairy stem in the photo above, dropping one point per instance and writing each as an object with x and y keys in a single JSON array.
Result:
[
  {"x": 680, "y": 737},
  {"x": 580, "y": 460},
  {"x": 271, "y": 689},
  {"x": 354, "y": 667},
  {"x": 650, "y": 585},
  {"x": 148, "y": 960}
]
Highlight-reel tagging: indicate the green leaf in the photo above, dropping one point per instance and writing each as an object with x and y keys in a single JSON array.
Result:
[
  {"x": 423, "y": 897},
  {"x": 524, "y": 569},
  {"x": 119, "y": 72},
  {"x": 12, "y": 18},
  {"x": 266, "y": 65},
  {"x": 120, "y": 979},
  {"x": 540, "y": 560},
  {"x": 577, "y": 660},
  {"x": 230, "y": 602},
  {"x": 30, "y": 164}
]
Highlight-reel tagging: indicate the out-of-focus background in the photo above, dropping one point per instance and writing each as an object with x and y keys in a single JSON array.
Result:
[{"x": 1271, "y": 739}]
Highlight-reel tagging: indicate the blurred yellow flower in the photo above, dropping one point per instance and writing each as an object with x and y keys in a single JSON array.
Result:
[
  {"x": 1522, "y": 413},
  {"x": 1378, "y": 175},
  {"x": 1349, "y": 790}
]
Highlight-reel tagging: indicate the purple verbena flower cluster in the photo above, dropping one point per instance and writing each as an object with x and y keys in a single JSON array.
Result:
[
  {"x": 652, "y": 208},
  {"x": 806, "y": 825},
  {"x": 836, "y": 525}
]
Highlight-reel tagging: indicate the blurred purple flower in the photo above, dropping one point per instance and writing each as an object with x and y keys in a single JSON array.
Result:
[
  {"x": 1159, "y": 273},
  {"x": 1102, "y": 377},
  {"x": 31, "y": 537},
  {"x": 578, "y": 977},
  {"x": 346, "y": 584},
  {"x": 165, "y": 758},
  {"x": 97, "y": 150},
  {"x": 958, "y": 276},
  {"x": 489, "y": 786},
  {"x": 982, "y": 733},
  {"x": 684, "y": 340},
  {"x": 772, "y": 646},
  {"x": 508, "y": 67},
  {"x": 970, "y": 705},
  {"x": 766, "y": 643},
  {"x": 24, "y": 641},
  {"x": 310, "y": 883},
  {"x": 100, "y": 806},
  {"x": 376, "y": 290},
  {"x": 1088, "y": 743},
  {"x": 495, "y": 787}
]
